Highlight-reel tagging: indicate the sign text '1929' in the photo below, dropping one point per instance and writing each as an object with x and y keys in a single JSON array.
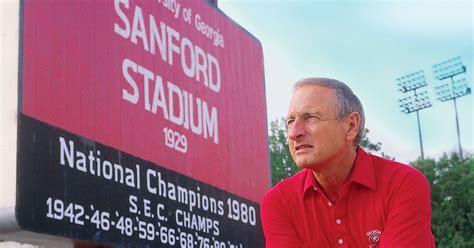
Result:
[{"x": 175, "y": 140}]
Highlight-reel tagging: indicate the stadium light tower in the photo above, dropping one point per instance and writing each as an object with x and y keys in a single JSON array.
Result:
[
  {"x": 453, "y": 90},
  {"x": 417, "y": 101}
]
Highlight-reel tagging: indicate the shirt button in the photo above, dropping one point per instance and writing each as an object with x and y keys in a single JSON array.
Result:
[
  {"x": 329, "y": 204},
  {"x": 338, "y": 221},
  {"x": 340, "y": 241},
  {"x": 315, "y": 189}
]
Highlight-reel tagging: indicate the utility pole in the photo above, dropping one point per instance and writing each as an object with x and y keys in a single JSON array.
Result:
[{"x": 453, "y": 89}]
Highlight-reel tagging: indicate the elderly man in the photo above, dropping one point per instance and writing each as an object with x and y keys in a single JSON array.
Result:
[{"x": 342, "y": 197}]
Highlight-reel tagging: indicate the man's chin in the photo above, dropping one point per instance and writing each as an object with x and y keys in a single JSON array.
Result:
[{"x": 304, "y": 165}]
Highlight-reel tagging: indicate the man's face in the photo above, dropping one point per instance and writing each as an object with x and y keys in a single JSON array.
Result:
[{"x": 315, "y": 135}]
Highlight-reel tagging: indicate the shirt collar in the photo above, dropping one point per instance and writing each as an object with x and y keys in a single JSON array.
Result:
[
  {"x": 363, "y": 173},
  {"x": 309, "y": 182}
]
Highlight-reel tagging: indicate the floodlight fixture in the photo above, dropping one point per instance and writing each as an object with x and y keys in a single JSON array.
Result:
[
  {"x": 448, "y": 68},
  {"x": 457, "y": 89},
  {"x": 418, "y": 102},
  {"x": 411, "y": 81}
]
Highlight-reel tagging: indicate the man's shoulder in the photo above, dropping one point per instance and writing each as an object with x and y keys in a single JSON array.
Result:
[
  {"x": 291, "y": 186},
  {"x": 390, "y": 169}
]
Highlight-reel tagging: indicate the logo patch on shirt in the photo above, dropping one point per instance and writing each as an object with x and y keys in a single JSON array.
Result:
[{"x": 374, "y": 238}]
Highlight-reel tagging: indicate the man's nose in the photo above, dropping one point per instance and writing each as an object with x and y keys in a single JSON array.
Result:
[{"x": 296, "y": 129}]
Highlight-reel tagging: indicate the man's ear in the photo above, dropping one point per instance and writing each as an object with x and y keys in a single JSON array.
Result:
[{"x": 352, "y": 122}]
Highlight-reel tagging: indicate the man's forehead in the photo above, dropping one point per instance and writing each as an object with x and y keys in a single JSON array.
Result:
[
  {"x": 312, "y": 98},
  {"x": 312, "y": 111},
  {"x": 315, "y": 88}
]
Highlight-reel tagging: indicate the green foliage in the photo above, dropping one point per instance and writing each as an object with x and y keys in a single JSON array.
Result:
[
  {"x": 373, "y": 147},
  {"x": 281, "y": 163},
  {"x": 452, "y": 199},
  {"x": 368, "y": 145}
]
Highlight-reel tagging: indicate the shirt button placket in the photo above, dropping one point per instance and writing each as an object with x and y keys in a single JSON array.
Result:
[
  {"x": 339, "y": 223},
  {"x": 340, "y": 241}
]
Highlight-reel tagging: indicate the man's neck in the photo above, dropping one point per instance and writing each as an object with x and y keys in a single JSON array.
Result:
[{"x": 332, "y": 176}]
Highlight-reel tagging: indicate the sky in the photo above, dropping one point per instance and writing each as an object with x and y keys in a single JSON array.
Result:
[{"x": 368, "y": 45}]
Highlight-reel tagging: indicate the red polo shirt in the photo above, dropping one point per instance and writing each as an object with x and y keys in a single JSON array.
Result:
[{"x": 383, "y": 204}]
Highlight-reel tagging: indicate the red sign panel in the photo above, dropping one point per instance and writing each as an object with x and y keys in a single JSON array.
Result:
[{"x": 171, "y": 82}]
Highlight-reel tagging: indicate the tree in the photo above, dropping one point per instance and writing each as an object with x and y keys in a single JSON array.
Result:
[
  {"x": 373, "y": 147},
  {"x": 281, "y": 163},
  {"x": 368, "y": 145},
  {"x": 452, "y": 199}
]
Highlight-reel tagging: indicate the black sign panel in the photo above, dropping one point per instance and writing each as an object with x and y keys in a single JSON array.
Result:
[{"x": 77, "y": 188}]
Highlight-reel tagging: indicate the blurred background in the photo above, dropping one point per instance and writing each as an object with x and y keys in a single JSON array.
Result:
[
  {"x": 369, "y": 45},
  {"x": 409, "y": 62}
]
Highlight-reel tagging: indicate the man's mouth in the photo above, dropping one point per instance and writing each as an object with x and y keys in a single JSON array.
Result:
[{"x": 300, "y": 147}]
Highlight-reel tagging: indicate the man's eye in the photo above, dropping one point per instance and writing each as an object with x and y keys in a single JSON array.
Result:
[
  {"x": 315, "y": 117},
  {"x": 289, "y": 122}
]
